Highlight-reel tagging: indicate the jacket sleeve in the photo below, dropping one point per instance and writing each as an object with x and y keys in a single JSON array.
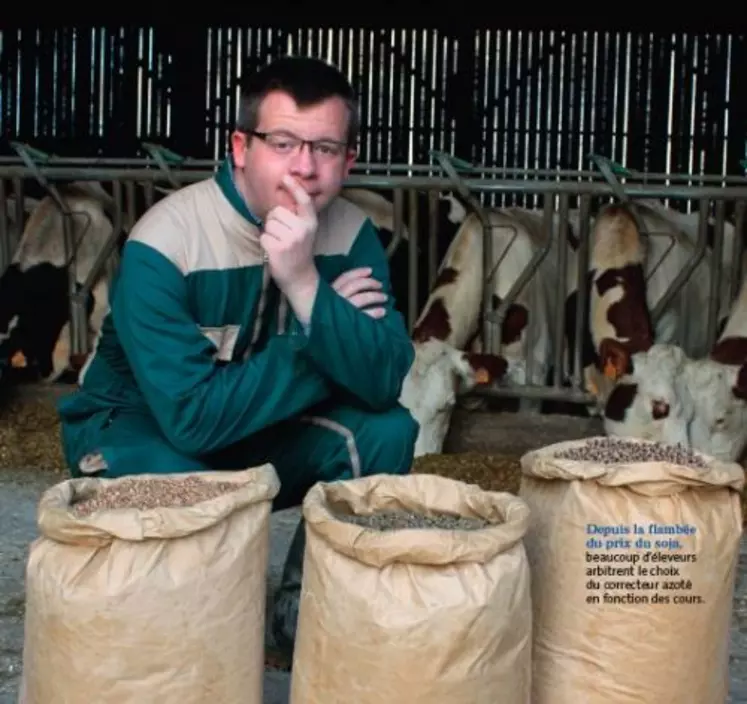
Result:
[
  {"x": 199, "y": 405},
  {"x": 366, "y": 356}
]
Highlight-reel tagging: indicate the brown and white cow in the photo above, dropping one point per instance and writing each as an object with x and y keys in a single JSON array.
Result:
[
  {"x": 672, "y": 242},
  {"x": 699, "y": 403},
  {"x": 451, "y": 322},
  {"x": 34, "y": 308},
  {"x": 440, "y": 374},
  {"x": 717, "y": 389},
  {"x": 636, "y": 382}
]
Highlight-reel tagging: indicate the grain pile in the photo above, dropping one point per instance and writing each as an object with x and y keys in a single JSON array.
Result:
[
  {"x": 492, "y": 472},
  {"x": 401, "y": 520},
  {"x": 30, "y": 433},
  {"x": 607, "y": 450},
  {"x": 144, "y": 494}
]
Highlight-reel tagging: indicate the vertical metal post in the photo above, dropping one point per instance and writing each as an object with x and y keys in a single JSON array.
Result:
[
  {"x": 684, "y": 274},
  {"x": 582, "y": 263},
  {"x": 714, "y": 300},
  {"x": 412, "y": 261},
  {"x": 19, "y": 204},
  {"x": 5, "y": 252},
  {"x": 738, "y": 248},
  {"x": 562, "y": 292},
  {"x": 432, "y": 237}
]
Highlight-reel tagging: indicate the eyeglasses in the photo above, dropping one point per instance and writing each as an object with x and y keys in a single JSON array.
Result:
[{"x": 288, "y": 144}]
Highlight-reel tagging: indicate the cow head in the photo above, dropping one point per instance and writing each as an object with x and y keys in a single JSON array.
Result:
[
  {"x": 719, "y": 395},
  {"x": 647, "y": 394},
  {"x": 438, "y": 375}
]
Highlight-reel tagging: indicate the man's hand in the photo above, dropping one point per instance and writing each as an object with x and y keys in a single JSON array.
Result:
[
  {"x": 288, "y": 240},
  {"x": 361, "y": 290}
]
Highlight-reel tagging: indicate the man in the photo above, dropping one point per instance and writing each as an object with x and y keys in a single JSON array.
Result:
[{"x": 252, "y": 321}]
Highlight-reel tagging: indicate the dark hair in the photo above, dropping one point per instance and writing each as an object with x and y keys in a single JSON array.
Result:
[{"x": 309, "y": 81}]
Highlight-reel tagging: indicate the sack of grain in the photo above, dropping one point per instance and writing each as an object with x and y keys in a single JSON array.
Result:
[
  {"x": 162, "y": 598},
  {"x": 415, "y": 591},
  {"x": 633, "y": 547}
]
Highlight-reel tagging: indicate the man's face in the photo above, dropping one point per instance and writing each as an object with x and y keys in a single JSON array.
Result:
[{"x": 320, "y": 170}]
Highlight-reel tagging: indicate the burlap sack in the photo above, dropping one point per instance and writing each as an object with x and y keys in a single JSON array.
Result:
[
  {"x": 413, "y": 616},
  {"x": 671, "y": 650},
  {"x": 162, "y": 605}
]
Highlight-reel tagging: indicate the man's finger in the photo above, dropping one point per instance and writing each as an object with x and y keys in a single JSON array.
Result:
[
  {"x": 350, "y": 275},
  {"x": 358, "y": 285},
  {"x": 277, "y": 230},
  {"x": 283, "y": 215},
  {"x": 361, "y": 300},
  {"x": 305, "y": 205},
  {"x": 376, "y": 312}
]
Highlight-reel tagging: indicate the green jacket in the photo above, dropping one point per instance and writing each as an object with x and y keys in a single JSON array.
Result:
[{"x": 199, "y": 336}]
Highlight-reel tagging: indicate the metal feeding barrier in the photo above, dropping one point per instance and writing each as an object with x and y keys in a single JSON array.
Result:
[{"x": 164, "y": 169}]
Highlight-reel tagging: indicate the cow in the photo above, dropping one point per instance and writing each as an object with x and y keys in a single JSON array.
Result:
[
  {"x": 717, "y": 389},
  {"x": 656, "y": 391},
  {"x": 439, "y": 374},
  {"x": 633, "y": 379},
  {"x": 34, "y": 300},
  {"x": 667, "y": 246},
  {"x": 447, "y": 333},
  {"x": 525, "y": 339},
  {"x": 699, "y": 403},
  {"x": 671, "y": 244}
]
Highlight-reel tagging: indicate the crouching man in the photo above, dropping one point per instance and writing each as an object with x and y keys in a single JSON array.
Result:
[{"x": 252, "y": 320}]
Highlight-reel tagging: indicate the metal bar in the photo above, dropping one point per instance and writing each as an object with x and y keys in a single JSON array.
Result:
[
  {"x": 157, "y": 152},
  {"x": 78, "y": 322},
  {"x": 458, "y": 184},
  {"x": 686, "y": 271},
  {"x": 387, "y": 182},
  {"x": 106, "y": 251},
  {"x": 609, "y": 176},
  {"x": 5, "y": 254},
  {"x": 432, "y": 238},
  {"x": 412, "y": 262},
  {"x": 582, "y": 289},
  {"x": 714, "y": 300},
  {"x": 211, "y": 164},
  {"x": 19, "y": 205},
  {"x": 620, "y": 191},
  {"x": 738, "y": 250},
  {"x": 499, "y": 313},
  {"x": 562, "y": 293},
  {"x": 533, "y": 391}
]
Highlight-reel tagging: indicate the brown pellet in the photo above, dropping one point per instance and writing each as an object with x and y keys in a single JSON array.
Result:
[
  {"x": 400, "y": 520},
  {"x": 610, "y": 450},
  {"x": 146, "y": 494}
]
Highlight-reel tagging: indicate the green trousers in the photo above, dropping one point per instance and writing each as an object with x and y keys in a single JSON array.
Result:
[{"x": 331, "y": 441}]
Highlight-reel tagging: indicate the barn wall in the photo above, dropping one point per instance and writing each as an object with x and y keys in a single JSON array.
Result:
[{"x": 542, "y": 99}]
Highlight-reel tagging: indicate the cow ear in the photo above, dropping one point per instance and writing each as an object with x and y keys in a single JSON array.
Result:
[
  {"x": 614, "y": 358},
  {"x": 740, "y": 385}
]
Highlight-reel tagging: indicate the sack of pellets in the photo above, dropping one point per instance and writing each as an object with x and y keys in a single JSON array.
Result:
[
  {"x": 149, "y": 587},
  {"x": 633, "y": 547},
  {"x": 415, "y": 590}
]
